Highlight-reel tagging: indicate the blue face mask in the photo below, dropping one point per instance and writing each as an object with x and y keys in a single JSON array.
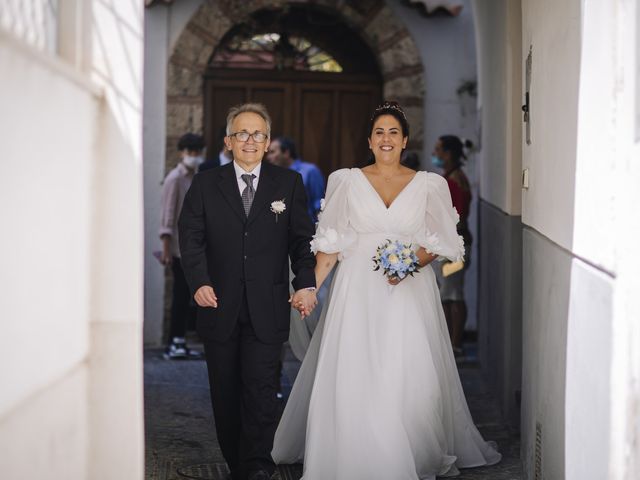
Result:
[{"x": 437, "y": 161}]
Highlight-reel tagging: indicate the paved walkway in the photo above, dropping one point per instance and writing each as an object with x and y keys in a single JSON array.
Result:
[{"x": 180, "y": 436}]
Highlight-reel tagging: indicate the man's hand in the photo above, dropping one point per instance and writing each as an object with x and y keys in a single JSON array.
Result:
[
  {"x": 304, "y": 301},
  {"x": 206, "y": 297},
  {"x": 165, "y": 255}
]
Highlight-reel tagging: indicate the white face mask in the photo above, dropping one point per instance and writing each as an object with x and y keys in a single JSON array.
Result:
[{"x": 192, "y": 162}]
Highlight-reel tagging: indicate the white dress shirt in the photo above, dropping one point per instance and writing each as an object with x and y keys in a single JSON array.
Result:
[{"x": 240, "y": 171}]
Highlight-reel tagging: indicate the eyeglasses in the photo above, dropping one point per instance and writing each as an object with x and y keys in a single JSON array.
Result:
[{"x": 258, "y": 137}]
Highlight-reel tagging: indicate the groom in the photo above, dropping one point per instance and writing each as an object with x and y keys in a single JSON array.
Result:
[{"x": 238, "y": 225}]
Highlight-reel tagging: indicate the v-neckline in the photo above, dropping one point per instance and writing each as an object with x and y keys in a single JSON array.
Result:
[{"x": 378, "y": 195}]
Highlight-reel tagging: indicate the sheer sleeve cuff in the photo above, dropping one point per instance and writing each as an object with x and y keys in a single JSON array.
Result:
[
  {"x": 453, "y": 251},
  {"x": 328, "y": 240}
]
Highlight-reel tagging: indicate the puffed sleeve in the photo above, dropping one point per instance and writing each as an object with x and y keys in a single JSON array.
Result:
[
  {"x": 440, "y": 235},
  {"x": 334, "y": 233}
]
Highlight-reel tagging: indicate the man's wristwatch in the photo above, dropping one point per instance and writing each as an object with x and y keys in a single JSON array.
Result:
[{"x": 310, "y": 289}]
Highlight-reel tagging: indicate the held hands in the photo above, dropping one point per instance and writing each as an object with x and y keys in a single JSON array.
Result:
[
  {"x": 304, "y": 301},
  {"x": 206, "y": 297}
]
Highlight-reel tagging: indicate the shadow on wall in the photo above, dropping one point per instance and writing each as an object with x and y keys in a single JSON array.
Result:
[
  {"x": 500, "y": 306},
  {"x": 547, "y": 281}
]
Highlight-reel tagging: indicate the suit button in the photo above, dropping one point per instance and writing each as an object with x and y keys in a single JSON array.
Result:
[
  {"x": 245, "y": 257},
  {"x": 246, "y": 234}
]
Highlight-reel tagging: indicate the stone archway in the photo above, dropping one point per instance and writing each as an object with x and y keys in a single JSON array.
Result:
[{"x": 392, "y": 45}]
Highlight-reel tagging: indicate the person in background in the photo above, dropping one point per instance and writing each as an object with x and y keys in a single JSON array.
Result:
[
  {"x": 448, "y": 155},
  {"x": 174, "y": 188},
  {"x": 224, "y": 155},
  {"x": 282, "y": 152}
]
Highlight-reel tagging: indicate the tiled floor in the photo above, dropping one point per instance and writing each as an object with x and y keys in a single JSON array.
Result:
[{"x": 180, "y": 436}]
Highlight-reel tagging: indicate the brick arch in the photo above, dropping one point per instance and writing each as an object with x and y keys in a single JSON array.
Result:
[{"x": 392, "y": 45}]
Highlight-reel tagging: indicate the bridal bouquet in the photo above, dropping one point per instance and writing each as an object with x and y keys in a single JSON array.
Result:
[{"x": 396, "y": 259}]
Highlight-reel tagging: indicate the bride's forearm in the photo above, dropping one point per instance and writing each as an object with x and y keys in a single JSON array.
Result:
[
  {"x": 424, "y": 257},
  {"x": 324, "y": 264}
]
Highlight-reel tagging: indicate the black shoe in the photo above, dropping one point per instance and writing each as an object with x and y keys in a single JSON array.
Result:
[{"x": 259, "y": 475}]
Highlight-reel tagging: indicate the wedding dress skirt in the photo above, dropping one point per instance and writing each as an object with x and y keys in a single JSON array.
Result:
[{"x": 378, "y": 395}]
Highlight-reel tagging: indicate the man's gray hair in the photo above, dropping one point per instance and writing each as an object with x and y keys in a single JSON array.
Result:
[{"x": 257, "y": 108}]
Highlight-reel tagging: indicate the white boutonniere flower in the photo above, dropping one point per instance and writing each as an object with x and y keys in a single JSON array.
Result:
[
  {"x": 277, "y": 207},
  {"x": 322, "y": 203}
]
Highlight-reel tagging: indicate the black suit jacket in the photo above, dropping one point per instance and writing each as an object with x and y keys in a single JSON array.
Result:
[{"x": 223, "y": 248}]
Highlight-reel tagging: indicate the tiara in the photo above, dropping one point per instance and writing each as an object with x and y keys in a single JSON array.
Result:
[{"x": 390, "y": 106}]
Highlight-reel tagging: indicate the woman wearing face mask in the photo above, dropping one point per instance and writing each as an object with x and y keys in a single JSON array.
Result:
[
  {"x": 448, "y": 155},
  {"x": 174, "y": 189}
]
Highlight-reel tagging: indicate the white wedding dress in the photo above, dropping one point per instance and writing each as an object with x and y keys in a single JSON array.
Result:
[{"x": 378, "y": 395}]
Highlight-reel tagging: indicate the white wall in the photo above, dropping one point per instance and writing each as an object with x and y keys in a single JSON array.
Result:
[
  {"x": 582, "y": 201},
  {"x": 499, "y": 26},
  {"x": 554, "y": 30},
  {"x": 605, "y": 232},
  {"x": 498, "y": 34},
  {"x": 447, "y": 51},
  {"x": 546, "y": 282},
  {"x": 163, "y": 25},
  {"x": 71, "y": 201}
]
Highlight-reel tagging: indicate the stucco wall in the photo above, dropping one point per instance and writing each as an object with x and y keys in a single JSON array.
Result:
[
  {"x": 553, "y": 29},
  {"x": 546, "y": 286},
  {"x": 71, "y": 403},
  {"x": 581, "y": 209},
  {"x": 500, "y": 314},
  {"x": 498, "y": 32},
  {"x": 162, "y": 25}
]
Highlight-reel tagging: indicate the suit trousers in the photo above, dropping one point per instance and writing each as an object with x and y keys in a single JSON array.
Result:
[{"x": 243, "y": 383}]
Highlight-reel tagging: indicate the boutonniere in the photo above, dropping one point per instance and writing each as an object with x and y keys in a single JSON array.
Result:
[
  {"x": 277, "y": 207},
  {"x": 322, "y": 203}
]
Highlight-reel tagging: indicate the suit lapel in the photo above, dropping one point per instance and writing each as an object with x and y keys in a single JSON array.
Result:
[
  {"x": 228, "y": 185},
  {"x": 267, "y": 186}
]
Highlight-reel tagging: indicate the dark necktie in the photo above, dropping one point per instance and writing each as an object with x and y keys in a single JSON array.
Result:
[{"x": 248, "y": 193}]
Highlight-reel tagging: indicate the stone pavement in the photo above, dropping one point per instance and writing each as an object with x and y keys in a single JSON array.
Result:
[{"x": 180, "y": 435}]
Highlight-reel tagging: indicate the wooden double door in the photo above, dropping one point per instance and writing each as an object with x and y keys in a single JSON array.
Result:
[{"x": 326, "y": 114}]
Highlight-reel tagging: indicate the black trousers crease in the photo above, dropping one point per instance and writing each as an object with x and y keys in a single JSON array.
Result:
[{"x": 243, "y": 382}]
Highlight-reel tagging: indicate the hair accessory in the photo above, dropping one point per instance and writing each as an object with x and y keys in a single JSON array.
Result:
[{"x": 390, "y": 106}]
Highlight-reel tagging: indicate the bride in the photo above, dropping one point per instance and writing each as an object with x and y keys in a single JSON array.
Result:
[{"x": 378, "y": 395}]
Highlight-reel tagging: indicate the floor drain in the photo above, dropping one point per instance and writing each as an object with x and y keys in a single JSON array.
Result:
[
  {"x": 220, "y": 471},
  {"x": 205, "y": 471}
]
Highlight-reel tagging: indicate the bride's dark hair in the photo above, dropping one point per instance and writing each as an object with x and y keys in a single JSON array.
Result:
[{"x": 390, "y": 108}]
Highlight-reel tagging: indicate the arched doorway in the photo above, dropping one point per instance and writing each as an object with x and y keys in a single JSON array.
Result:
[
  {"x": 316, "y": 76},
  {"x": 323, "y": 111}
]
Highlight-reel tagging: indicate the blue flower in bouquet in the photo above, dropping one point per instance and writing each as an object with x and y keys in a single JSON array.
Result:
[{"x": 396, "y": 259}]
